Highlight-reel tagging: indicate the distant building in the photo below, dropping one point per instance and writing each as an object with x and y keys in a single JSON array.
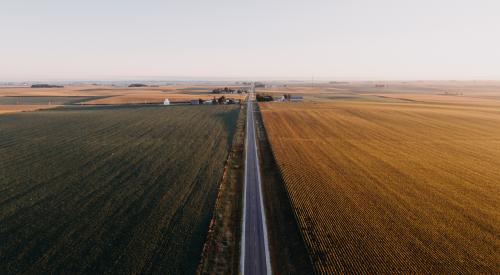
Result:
[
  {"x": 232, "y": 101},
  {"x": 195, "y": 102},
  {"x": 166, "y": 102},
  {"x": 296, "y": 98}
]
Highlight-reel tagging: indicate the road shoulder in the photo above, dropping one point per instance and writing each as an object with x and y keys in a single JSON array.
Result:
[{"x": 221, "y": 253}]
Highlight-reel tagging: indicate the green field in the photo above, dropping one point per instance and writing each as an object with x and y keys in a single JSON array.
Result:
[
  {"x": 42, "y": 100},
  {"x": 110, "y": 189}
]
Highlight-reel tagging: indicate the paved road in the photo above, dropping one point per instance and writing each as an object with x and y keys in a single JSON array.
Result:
[{"x": 254, "y": 246}]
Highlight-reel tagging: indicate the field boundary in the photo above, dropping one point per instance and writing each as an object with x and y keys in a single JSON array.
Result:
[{"x": 227, "y": 194}]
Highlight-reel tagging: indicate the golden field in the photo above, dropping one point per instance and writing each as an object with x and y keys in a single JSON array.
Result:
[
  {"x": 392, "y": 187},
  {"x": 23, "y": 108},
  {"x": 102, "y": 95},
  {"x": 367, "y": 90},
  {"x": 102, "y": 90},
  {"x": 156, "y": 98}
]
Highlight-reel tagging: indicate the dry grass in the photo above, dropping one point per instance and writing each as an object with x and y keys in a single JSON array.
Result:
[
  {"x": 392, "y": 187},
  {"x": 23, "y": 108}
]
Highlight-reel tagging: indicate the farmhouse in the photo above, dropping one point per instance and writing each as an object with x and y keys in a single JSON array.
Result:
[
  {"x": 289, "y": 97},
  {"x": 166, "y": 102},
  {"x": 194, "y": 102},
  {"x": 232, "y": 101}
]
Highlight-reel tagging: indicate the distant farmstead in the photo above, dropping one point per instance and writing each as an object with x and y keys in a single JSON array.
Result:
[
  {"x": 166, "y": 102},
  {"x": 46, "y": 86},
  {"x": 137, "y": 85},
  {"x": 290, "y": 98}
]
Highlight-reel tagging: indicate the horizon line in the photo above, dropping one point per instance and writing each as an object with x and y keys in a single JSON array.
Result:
[{"x": 153, "y": 78}]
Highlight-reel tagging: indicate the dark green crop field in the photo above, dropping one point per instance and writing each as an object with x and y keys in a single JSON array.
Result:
[
  {"x": 37, "y": 100},
  {"x": 110, "y": 189}
]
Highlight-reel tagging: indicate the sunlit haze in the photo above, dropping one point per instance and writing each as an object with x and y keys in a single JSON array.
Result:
[{"x": 329, "y": 39}]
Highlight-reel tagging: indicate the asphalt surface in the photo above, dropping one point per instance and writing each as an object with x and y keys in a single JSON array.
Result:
[{"x": 254, "y": 245}]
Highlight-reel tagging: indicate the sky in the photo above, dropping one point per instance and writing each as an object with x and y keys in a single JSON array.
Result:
[{"x": 272, "y": 39}]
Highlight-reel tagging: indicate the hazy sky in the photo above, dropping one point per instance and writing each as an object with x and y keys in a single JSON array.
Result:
[{"x": 336, "y": 39}]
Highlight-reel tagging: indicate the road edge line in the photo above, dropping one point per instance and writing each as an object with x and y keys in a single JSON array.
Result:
[{"x": 243, "y": 231}]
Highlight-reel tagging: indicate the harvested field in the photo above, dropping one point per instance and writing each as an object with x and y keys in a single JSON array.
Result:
[
  {"x": 392, "y": 187},
  {"x": 444, "y": 91},
  {"x": 66, "y": 91},
  {"x": 123, "y": 190},
  {"x": 92, "y": 90},
  {"x": 43, "y": 100},
  {"x": 154, "y": 98},
  {"x": 443, "y": 99},
  {"x": 18, "y": 99},
  {"x": 4, "y": 109}
]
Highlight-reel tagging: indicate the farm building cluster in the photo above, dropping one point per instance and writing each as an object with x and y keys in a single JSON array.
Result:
[
  {"x": 283, "y": 98},
  {"x": 214, "y": 101}
]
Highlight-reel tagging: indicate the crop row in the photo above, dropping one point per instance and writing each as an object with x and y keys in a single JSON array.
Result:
[
  {"x": 391, "y": 188},
  {"x": 110, "y": 189}
]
